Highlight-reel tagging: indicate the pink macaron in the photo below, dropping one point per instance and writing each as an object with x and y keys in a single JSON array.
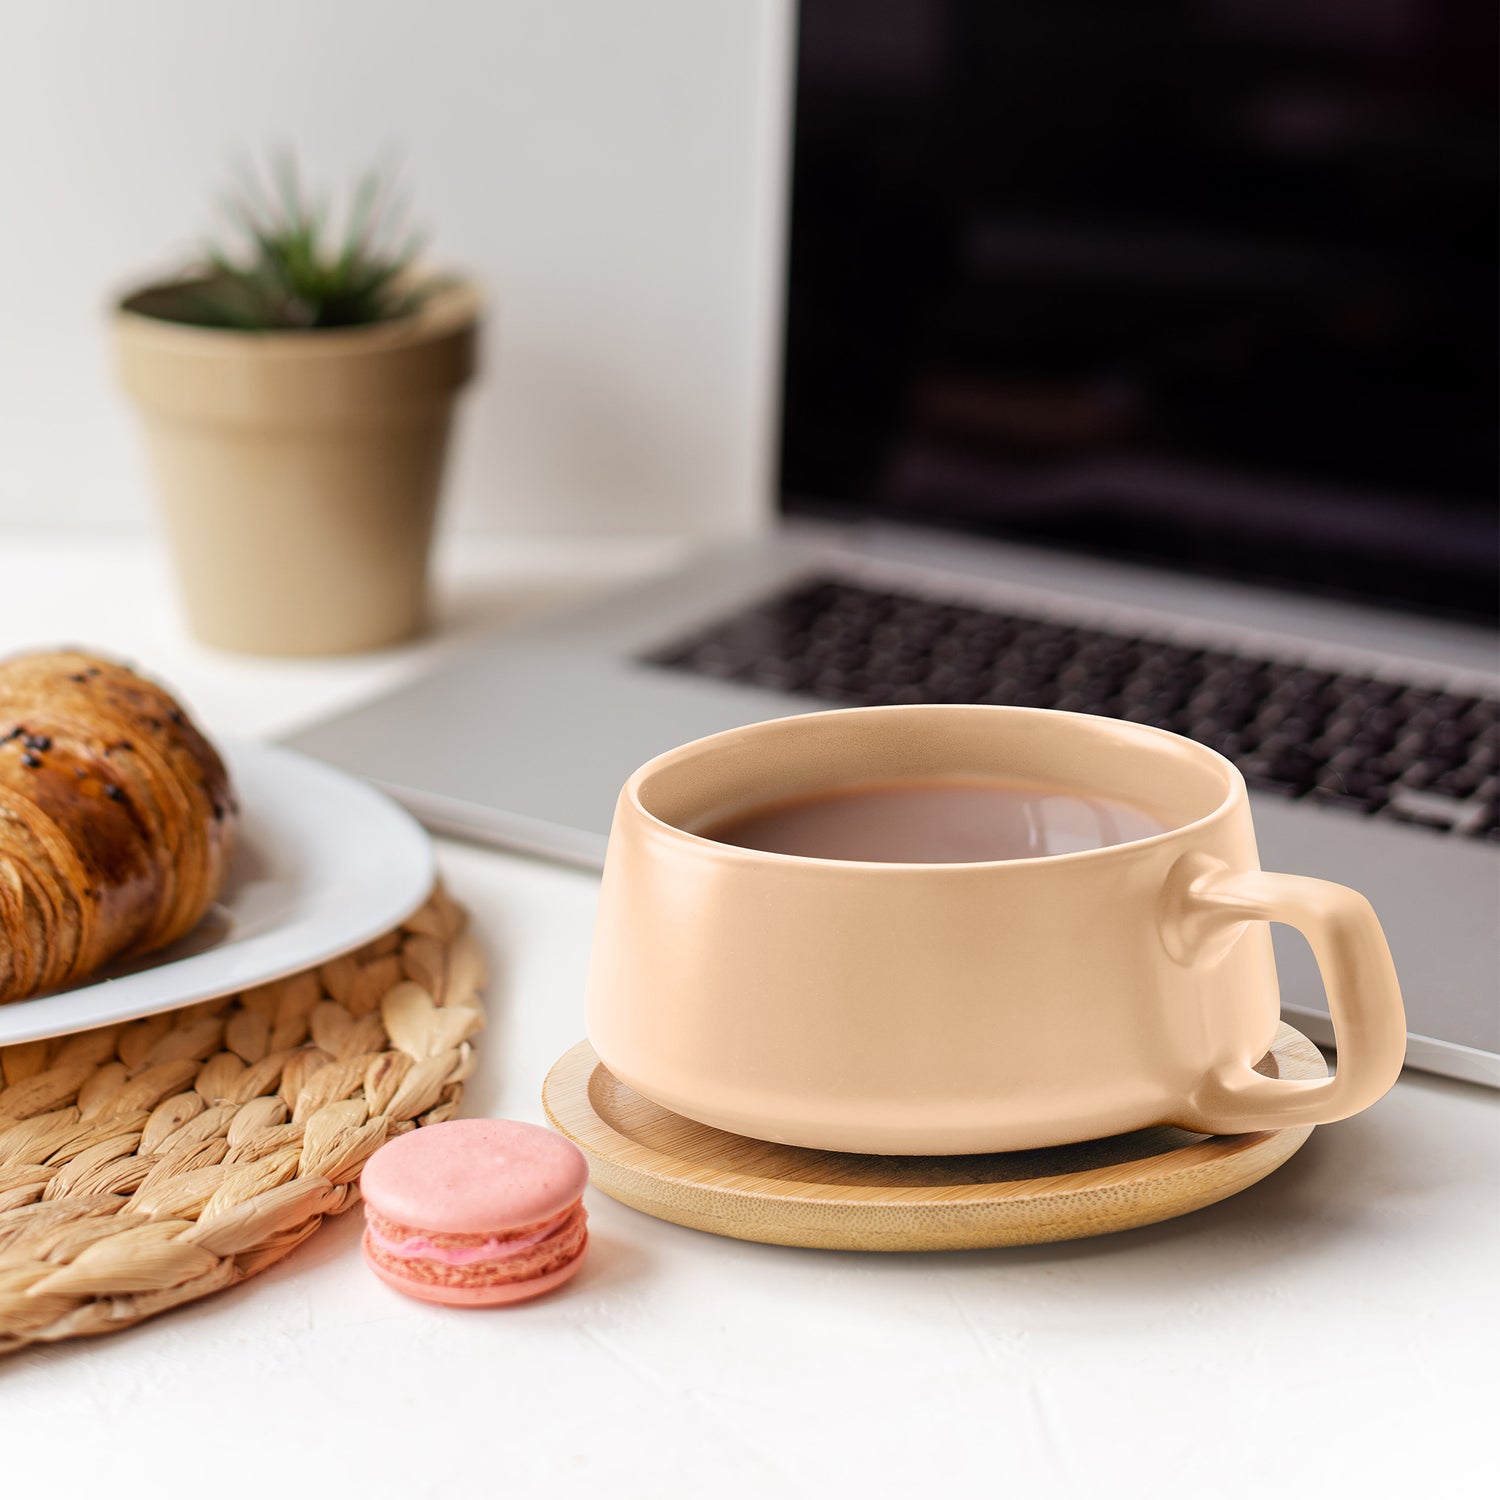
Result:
[{"x": 473, "y": 1213}]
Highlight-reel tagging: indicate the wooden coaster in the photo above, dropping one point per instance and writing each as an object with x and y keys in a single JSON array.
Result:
[
  {"x": 145, "y": 1164},
  {"x": 692, "y": 1174}
]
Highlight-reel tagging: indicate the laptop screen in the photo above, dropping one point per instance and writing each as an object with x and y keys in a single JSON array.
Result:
[{"x": 1203, "y": 282}]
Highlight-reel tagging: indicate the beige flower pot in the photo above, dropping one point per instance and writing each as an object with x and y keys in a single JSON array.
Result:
[{"x": 299, "y": 472}]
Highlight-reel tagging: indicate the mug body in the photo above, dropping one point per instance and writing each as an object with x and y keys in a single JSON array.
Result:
[{"x": 916, "y": 1009}]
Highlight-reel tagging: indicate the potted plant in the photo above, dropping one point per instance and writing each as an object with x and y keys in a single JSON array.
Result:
[{"x": 297, "y": 398}]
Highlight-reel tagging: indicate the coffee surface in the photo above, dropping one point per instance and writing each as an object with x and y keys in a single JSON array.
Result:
[{"x": 938, "y": 822}]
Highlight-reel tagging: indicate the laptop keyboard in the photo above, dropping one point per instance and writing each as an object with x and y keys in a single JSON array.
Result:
[{"x": 1373, "y": 747}]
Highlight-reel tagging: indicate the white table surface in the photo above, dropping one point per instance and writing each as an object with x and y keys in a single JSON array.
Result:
[{"x": 1330, "y": 1332}]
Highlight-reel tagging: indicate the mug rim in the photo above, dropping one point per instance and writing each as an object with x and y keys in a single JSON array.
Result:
[{"x": 1235, "y": 795}]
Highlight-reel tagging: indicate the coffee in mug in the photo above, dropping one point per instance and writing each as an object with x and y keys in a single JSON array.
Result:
[{"x": 939, "y": 822}]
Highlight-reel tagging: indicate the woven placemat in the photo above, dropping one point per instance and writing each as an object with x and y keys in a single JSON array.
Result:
[{"x": 146, "y": 1164}]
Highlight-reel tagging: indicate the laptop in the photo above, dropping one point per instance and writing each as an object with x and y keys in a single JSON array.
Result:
[{"x": 1143, "y": 370}]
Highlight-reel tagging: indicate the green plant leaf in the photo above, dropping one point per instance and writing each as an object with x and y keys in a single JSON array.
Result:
[{"x": 296, "y": 271}]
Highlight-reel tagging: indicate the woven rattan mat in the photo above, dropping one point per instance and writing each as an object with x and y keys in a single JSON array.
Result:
[{"x": 146, "y": 1164}]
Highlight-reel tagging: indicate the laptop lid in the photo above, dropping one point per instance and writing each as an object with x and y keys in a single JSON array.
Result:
[{"x": 1208, "y": 283}]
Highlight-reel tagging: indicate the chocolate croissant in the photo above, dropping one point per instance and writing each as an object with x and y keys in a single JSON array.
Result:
[{"x": 117, "y": 820}]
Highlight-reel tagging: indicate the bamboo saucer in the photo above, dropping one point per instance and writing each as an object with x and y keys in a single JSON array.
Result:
[{"x": 691, "y": 1174}]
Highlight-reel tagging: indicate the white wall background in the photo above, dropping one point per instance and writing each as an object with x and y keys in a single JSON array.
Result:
[{"x": 609, "y": 169}]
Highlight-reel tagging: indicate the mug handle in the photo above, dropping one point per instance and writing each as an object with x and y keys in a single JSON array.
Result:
[{"x": 1208, "y": 907}]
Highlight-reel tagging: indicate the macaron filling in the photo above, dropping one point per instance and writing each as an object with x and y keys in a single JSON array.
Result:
[
  {"x": 463, "y": 1250},
  {"x": 473, "y": 1260}
]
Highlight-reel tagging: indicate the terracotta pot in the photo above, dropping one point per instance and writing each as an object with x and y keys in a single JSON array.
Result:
[{"x": 299, "y": 472}]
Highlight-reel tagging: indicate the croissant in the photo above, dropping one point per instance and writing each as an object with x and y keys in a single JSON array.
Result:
[{"x": 117, "y": 819}]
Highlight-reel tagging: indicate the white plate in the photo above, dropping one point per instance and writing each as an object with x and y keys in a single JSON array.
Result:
[{"x": 324, "y": 863}]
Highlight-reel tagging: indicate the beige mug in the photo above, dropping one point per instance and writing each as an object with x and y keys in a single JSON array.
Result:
[{"x": 914, "y": 1009}]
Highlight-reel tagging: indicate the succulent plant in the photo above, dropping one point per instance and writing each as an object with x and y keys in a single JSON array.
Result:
[{"x": 289, "y": 270}]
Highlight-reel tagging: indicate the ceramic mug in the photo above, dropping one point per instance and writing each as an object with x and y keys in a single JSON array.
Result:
[{"x": 915, "y": 1009}]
